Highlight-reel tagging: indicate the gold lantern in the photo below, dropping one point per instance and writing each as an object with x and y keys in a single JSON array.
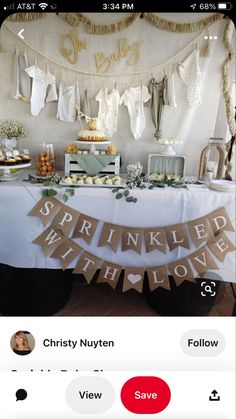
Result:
[{"x": 208, "y": 166}]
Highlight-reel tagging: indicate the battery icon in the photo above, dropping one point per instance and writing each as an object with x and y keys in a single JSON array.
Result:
[{"x": 224, "y": 6}]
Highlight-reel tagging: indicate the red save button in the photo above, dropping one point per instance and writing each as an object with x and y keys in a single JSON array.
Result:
[{"x": 145, "y": 395}]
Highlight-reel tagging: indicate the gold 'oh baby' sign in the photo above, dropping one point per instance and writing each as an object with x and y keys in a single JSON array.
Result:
[
  {"x": 71, "y": 45},
  {"x": 131, "y": 52}
]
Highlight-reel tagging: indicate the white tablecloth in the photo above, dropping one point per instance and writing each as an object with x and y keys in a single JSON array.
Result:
[{"x": 157, "y": 207}]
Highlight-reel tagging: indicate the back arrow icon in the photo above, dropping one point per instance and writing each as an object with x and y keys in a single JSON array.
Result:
[{"x": 20, "y": 34}]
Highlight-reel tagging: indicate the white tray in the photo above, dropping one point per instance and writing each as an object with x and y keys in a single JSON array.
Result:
[
  {"x": 8, "y": 175},
  {"x": 87, "y": 185}
]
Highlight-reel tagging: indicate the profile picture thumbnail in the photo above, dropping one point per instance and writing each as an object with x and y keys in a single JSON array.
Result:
[{"x": 22, "y": 342}]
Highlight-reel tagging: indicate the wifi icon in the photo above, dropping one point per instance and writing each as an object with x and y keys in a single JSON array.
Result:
[{"x": 43, "y": 5}]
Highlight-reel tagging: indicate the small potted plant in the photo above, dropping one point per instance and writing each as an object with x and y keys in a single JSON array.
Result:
[{"x": 12, "y": 131}]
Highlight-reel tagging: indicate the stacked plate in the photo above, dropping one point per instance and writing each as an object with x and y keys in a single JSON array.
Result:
[{"x": 223, "y": 185}]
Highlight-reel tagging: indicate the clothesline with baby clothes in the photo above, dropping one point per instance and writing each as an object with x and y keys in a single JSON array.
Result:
[{"x": 159, "y": 94}]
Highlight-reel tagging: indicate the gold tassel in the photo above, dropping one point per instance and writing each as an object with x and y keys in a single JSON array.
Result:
[
  {"x": 26, "y": 17},
  {"x": 205, "y": 50}
]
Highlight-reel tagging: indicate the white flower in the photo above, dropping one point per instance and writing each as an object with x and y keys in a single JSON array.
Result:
[{"x": 12, "y": 129}]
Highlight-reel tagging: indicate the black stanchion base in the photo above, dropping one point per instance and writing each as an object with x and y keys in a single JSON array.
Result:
[{"x": 33, "y": 292}]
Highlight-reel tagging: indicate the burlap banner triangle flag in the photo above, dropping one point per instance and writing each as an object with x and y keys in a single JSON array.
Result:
[
  {"x": 158, "y": 277},
  {"x": 221, "y": 246},
  {"x": 45, "y": 209},
  {"x": 85, "y": 228},
  {"x": 200, "y": 231},
  {"x": 155, "y": 238},
  {"x": 66, "y": 252},
  {"x": 202, "y": 260},
  {"x": 132, "y": 239},
  {"x": 110, "y": 236},
  {"x": 87, "y": 266},
  {"x": 49, "y": 240},
  {"x": 177, "y": 235},
  {"x": 220, "y": 221},
  {"x": 66, "y": 219},
  {"x": 133, "y": 278},
  {"x": 110, "y": 273},
  {"x": 181, "y": 271}
]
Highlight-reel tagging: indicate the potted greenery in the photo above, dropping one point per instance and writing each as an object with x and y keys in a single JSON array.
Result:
[{"x": 11, "y": 130}]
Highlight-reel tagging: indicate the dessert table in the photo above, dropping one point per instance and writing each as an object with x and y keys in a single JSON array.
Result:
[{"x": 156, "y": 207}]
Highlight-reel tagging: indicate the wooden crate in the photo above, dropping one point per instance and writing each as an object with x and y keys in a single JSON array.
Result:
[
  {"x": 71, "y": 166},
  {"x": 157, "y": 163}
]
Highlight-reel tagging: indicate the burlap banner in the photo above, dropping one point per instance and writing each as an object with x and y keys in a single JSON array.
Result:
[
  {"x": 46, "y": 209},
  {"x": 177, "y": 235},
  {"x": 49, "y": 240},
  {"x": 207, "y": 232},
  {"x": 87, "y": 266},
  {"x": 202, "y": 230},
  {"x": 158, "y": 277},
  {"x": 221, "y": 246},
  {"x": 65, "y": 219},
  {"x": 110, "y": 236},
  {"x": 110, "y": 273},
  {"x": 220, "y": 221},
  {"x": 85, "y": 228},
  {"x": 133, "y": 279},
  {"x": 66, "y": 252}
]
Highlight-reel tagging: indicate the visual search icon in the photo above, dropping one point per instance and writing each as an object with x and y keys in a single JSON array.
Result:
[{"x": 21, "y": 394}]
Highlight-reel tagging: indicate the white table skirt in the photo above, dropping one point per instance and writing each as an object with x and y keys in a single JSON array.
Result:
[{"x": 157, "y": 207}]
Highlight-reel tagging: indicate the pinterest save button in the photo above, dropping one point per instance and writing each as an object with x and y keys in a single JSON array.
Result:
[{"x": 145, "y": 395}]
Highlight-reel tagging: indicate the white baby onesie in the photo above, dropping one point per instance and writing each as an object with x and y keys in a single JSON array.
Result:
[
  {"x": 21, "y": 80},
  {"x": 108, "y": 110},
  {"x": 41, "y": 81},
  {"x": 134, "y": 98},
  {"x": 190, "y": 73},
  {"x": 68, "y": 102}
]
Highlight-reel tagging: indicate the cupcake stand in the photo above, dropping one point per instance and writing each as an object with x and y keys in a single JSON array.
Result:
[{"x": 10, "y": 172}]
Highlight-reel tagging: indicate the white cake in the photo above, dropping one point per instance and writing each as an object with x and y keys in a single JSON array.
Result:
[{"x": 91, "y": 135}]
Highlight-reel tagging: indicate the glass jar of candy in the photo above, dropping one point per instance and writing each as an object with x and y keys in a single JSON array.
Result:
[{"x": 46, "y": 161}]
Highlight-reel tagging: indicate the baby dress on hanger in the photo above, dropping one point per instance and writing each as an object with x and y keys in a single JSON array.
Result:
[
  {"x": 108, "y": 110},
  {"x": 68, "y": 102},
  {"x": 21, "y": 80},
  {"x": 190, "y": 73},
  {"x": 41, "y": 81},
  {"x": 134, "y": 98}
]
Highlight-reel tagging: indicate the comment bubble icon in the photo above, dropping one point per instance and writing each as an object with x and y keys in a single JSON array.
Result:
[{"x": 21, "y": 394}]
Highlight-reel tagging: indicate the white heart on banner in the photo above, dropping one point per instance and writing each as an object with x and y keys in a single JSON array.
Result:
[{"x": 134, "y": 278}]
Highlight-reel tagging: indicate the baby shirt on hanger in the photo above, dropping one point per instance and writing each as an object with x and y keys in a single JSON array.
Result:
[
  {"x": 21, "y": 81},
  {"x": 108, "y": 110},
  {"x": 134, "y": 98},
  {"x": 159, "y": 98},
  {"x": 68, "y": 102},
  {"x": 190, "y": 73},
  {"x": 41, "y": 81}
]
